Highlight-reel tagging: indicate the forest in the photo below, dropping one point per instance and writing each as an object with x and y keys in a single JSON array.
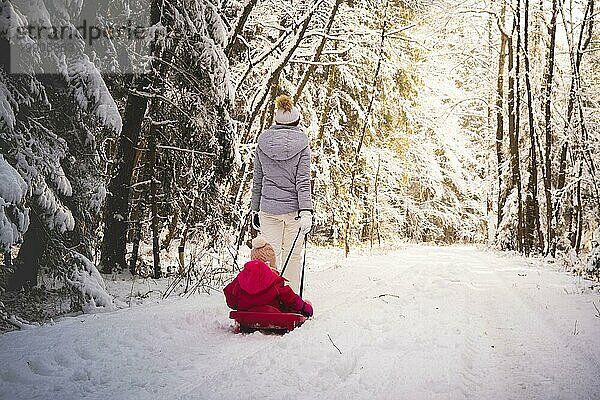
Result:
[{"x": 129, "y": 151}]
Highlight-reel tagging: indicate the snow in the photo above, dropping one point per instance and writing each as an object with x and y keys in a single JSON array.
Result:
[
  {"x": 416, "y": 322},
  {"x": 216, "y": 27}
]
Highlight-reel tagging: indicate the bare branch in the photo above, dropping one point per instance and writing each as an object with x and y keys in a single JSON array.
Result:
[
  {"x": 239, "y": 26},
  {"x": 323, "y": 63},
  {"x": 195, "y": 152},
  {"x": 319, "y": 51},
  {"x": 331, "y": 340}
]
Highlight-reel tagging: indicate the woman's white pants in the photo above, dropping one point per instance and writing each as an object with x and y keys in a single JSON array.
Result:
[{"x": 280, "y": 231}]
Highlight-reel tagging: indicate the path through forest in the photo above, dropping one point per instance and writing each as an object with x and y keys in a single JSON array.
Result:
[{"x": 417, "y": 323}]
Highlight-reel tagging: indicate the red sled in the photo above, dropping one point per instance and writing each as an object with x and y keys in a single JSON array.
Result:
[{"x": 277, "y": 322}]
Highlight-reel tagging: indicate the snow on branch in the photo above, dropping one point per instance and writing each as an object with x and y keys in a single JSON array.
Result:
[
  {"x": 90, "y": 91},
  {"x": 195, "y": 152},
  {"x": 86, "y": 278},
  {"x": 324, "y": 63},
  {"x": 7, "y": 103},
  {"x": 14, "y": 217}
]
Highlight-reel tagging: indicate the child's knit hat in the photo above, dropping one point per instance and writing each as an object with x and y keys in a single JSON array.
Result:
[
  {"x": 261, "y": 250},
  {"x": 287, "y": 113}
]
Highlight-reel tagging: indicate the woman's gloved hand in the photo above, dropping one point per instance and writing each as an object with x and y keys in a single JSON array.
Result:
[
  {"x": 305, "y": 222},
  {"x": 255, "y": 220}
]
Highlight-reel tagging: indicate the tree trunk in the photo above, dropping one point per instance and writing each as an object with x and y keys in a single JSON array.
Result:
[
  {"x": 172, "y": 229},
  {"x": 138, "y": 206},
  {"x": 27, "y": 263},
  {"x": 532, "y": 212},
  {"x": 500, "y": 118},
  {"x": 550, "y": 229},
  {"x": 377, "y": 200},
  {"x": 560, "y": 193},
  {"x": 118, "y": 202},
  {"x": 578, "y": 210},
  {"x": 331, "y": 81},
  {"x": 514, "y": 133},
  {"x": 576, "y": 53},
  {"x": 517, "y": 165},
  {"x": 152, "y": 155},
  {"x": 7, "y": 260},
  {"x": 269, "y": 112},
  {"x": 511, "y": 107},
  {"x": 239, "y": 27},
  {"x": 562, "y": 173},
  {"x": 588, "y": 26},
  {"x": 135, "y": 232}
]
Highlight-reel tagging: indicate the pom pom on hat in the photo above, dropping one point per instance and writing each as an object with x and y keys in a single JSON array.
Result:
[
  {"x": 284, "y": 103},
  {"x": 261, "y": 250},
  {"x": 258, "y": 242}
]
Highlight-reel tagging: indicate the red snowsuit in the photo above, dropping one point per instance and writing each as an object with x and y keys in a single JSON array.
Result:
[{"x": 258, "y": 288}]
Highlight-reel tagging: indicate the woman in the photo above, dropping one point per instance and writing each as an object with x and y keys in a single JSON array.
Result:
[{"x": 281, "y": 198}]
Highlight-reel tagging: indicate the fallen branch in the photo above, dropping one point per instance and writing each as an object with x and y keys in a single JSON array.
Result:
[
  {"x": 11, "y": 322},
  {"x": 387, "y": 294},
  {"x": 331, "y": 340},
  {"x": 14, "y": 320},
  {"x": 145, "y": 295},
  {"x": 381, "y": 296},
  {"x": 597, "y": 311}
]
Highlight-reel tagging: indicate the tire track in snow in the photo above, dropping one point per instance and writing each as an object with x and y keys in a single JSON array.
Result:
[
  {"x": 527, "y": 350},
  {"x": 468, "y": 376}
]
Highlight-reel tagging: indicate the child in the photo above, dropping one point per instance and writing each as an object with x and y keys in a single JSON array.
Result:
[{"x": 260, "y": 288}]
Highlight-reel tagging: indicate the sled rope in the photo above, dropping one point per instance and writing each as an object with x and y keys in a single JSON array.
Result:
[
  {"x": 303, "y": 265},
  {"x": 287, "y": 260},
  {"x": 303, "y": 261}
]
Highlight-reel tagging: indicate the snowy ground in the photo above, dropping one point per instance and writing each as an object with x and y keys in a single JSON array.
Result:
[{"x": 416, "y": 323}]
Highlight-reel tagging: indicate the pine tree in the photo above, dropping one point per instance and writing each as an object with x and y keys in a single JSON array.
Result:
[{"x": 51, "y": 112}]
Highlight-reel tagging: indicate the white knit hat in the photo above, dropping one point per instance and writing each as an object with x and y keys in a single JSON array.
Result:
[
  {"x": 283, "y": 117},
  {"x": 286, "y": 113}
]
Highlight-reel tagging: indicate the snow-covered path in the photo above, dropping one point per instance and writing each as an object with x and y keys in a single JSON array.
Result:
[{"x": 416, "y": 323}]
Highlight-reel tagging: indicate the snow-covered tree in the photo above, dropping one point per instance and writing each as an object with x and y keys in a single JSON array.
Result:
[
  {"x": 178, "y": 143},
  {"x": 53, "y": 103}
]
